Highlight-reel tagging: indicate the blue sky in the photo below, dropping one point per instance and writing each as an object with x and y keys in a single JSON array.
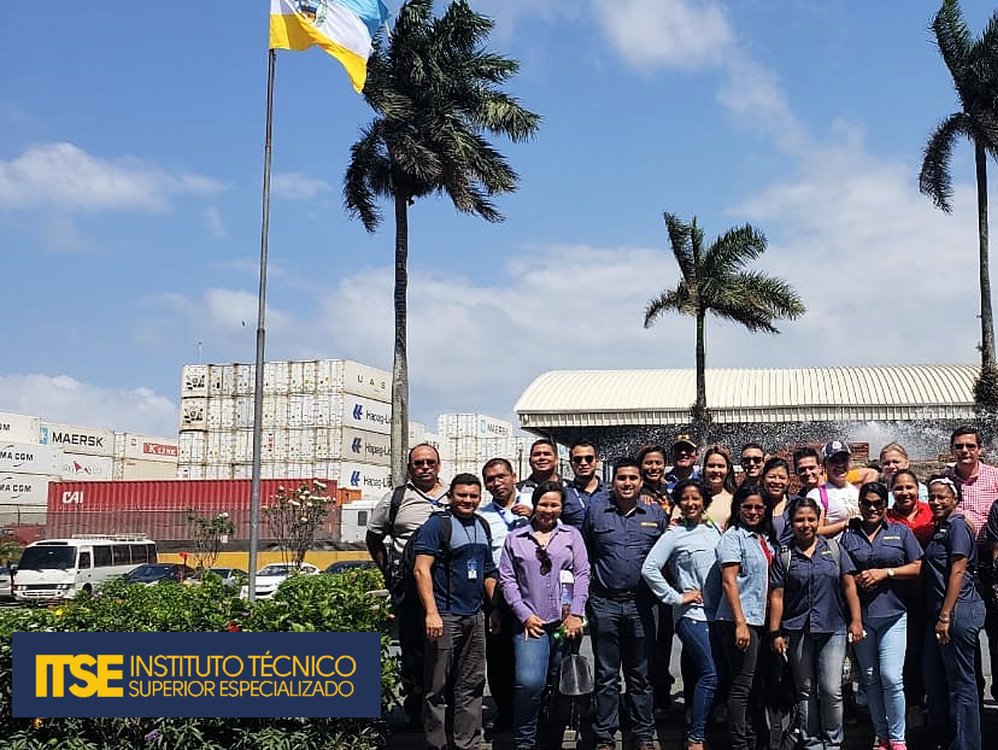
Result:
[{"x": 131, "y": 157}]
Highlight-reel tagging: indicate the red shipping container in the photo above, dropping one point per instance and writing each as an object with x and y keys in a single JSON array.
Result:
[{"x": 160, "y": 508}]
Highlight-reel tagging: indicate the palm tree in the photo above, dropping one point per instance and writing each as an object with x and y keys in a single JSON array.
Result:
[
  {"x": 973, "y": 63},
  {"x": 715, "y": 281},
  {"x": 436, "y": 91}
]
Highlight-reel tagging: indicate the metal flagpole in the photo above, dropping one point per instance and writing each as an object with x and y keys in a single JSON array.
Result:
[{"x": 260, "y": 337}]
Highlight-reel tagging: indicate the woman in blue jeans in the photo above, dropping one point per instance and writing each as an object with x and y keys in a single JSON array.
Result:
[
  {"x": 954, "y": 621},
  {"x": 884, "y": 554},
  {"x": 544, "y": 575},
  {"x": 688, "y": 550},
  {"x": 811, "y": 585}
]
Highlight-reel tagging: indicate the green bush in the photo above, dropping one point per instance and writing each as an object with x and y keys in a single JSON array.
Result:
[{"x": 341, "y": 602}]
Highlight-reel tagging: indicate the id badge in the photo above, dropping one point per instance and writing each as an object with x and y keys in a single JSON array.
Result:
[
  {"x": 566, "y": 576},
  {"x": 472, "y": 570}
]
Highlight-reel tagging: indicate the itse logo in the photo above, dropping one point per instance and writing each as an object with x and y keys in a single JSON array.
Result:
[{"x": 81, "y": 668}]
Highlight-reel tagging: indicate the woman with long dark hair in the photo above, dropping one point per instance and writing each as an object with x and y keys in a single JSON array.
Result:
[{"x": 717, "y": 474}]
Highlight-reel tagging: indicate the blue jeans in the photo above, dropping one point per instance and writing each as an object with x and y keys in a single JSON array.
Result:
[
  {"x": 695, "y": 635},
  {"x": 623, "y": 634},
  {"x": 950, "y": 684},
  {"x": 881, "y": 658},
  {"x": 537, "y": 663},
  {"x": 816, "y": 663}
]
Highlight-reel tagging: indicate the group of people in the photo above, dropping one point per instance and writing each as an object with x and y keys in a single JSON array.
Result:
[{"x": 768, "y": 590}]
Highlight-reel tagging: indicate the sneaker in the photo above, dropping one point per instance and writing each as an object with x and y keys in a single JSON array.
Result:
[
  {"x": 879, "y": 744},
  {"x": 898, "y": 746}
]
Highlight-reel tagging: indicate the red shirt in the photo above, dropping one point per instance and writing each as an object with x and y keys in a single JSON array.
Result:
[{"x": 921, "y": 525}]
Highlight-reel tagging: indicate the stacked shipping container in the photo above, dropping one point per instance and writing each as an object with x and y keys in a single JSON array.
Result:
[
  {"x": 327, "y": 418},
  {"x": 467, "y": 441}
]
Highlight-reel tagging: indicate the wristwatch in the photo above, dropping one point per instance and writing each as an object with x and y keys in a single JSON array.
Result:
[{"x": 890, "y": 572}]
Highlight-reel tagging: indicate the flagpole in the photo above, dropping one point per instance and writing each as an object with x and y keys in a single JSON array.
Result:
[{"x": 261, "y": 336}]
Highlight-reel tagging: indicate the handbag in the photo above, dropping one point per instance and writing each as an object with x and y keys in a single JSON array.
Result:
[{"x": 575, "y": 676}]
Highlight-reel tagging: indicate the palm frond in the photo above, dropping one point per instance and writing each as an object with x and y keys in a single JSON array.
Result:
[
  {"x": 733, "y": 250},
  {"x": 953, "y": 38},
  {"x": 934, "y": 179},
  {"x": 680, "y": 239},
  {"x": 676, "y": 300},
  {"x": 368, "y": 177}
]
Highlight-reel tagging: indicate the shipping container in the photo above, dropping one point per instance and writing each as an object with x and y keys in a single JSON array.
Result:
[
  {"x": 353, "y": 520},
  {"x": 193, "y": 414},
  {"x": 133, "y": 468},
  {"x": 19, "y": 428},
  {"x": 344, "y": 375},
  {"x": 194, "y": 381},
  {"x": 245, "y": 379},
  {"x": 76, "y": 466},
  {"x": 30, "y": 458},
  {"x": 80, "y": 440},
  {"x": 160, "y": 509},
  {"x": 24, "y": 489},
  {"x": 220, "y": 447},
  {"x": 372, "y": 481},
  {"x": 276, "y": 377},
  {"x": 146, "y": 448},
  {"x": 191, "y": 447},
  {"x": 416, "y": 432},
  {"x": 472, "y": 425},
  {"x": 347, "y": 443}
]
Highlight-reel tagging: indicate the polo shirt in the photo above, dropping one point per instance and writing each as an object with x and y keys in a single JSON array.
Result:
[
  {"x": 892, "y": 546},
  {"x": 458, "y": 575},
  {"x": 812, "y": 588},
  {"x": 618, "y": 544},
  {"x": 952, "y": 538},
  {"x": 578, "y": 502},
  {"x": 529, "y": 592},
  {"x": 979, "y": 494},
  {"x": 501, "y": 521},
  {"x": 744, "y": 547},
  {"x": 415, "y": 508},
  {"x": 923, "y": 525}
]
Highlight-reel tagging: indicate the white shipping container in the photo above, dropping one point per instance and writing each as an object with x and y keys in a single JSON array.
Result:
[
  {"x": 194, "y": 381},
  {"x": 275, "y": 411},
  {"x": 191, "y": 447},
  {"x": 30, "y": 458},
  {"x": 82, "y": 468},
  {"x": 221, "y": 380},
  {"x": 353, "y": 520},
  {"x": 346, "y": 376},
  {"x": 276, "y": 377},
  {"x": 303, "y": 376},
  {"x": 220, "y": 447},
  {"x": 147, "y": 448},
  {"x": 301, "y": 444},
  {"x": 372, "y": 481},
  {"x": 133, "y": 468},
  {"x": 431, "y": 438},
  {"x": 271, "y": 441},
  {"x": 342, "y": 410},
  {"x": 19, "y": 428},
  {"x": 218, "y": 471},
  {"x": 472, "y": 425},
  {"x": 242, "y": 417},
  {"x": 85, "y": 440},
  {"x": 333, "y": 443},
  {"x": 24, "y": 489},
  {"x": 190, "y": 471},
  {"x": 193, "y": 416},
  {"x": 416, "y": 433},
  {"x": 214, "y": 417}
]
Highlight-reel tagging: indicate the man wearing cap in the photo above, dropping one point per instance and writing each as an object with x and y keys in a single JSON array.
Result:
[
  {"x": 684, "y": 462},
  {"x": 838, "y": 500},
  {"x": 978, "y": 483}
]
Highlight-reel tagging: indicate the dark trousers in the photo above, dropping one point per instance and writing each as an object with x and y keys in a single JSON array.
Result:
[
  {"x": 742, "y": 668},
  {"x": 500, "y": 663},
  {"x": 661, "y": 677},
  {"x": 913, "y": 675},
  {"x": 455, "y": 682},
  {"x": 411, "y": 621},
  {"x": 623, "y": 637}
]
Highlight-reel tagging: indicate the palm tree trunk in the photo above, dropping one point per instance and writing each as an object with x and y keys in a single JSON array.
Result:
[
  {"x": 400, "y": 365},
  {"x": 700, "y": 407},
  {"x": 987, "y": 316}
]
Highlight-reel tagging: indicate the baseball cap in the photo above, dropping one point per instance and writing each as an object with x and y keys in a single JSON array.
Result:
[
  {"x": 834, "y": 448},
  {"x": 683, "y": 440}
]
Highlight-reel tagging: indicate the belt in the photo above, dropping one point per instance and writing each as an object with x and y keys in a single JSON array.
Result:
[{"x": 618, "y": 596}]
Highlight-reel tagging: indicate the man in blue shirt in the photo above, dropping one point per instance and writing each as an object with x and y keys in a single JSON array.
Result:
[
  {"x": 585, "y": 488},
  {"x": 619, "y": 532},
  {"x": 454, "y": 577},
  {"x": 684, "y": 459}
]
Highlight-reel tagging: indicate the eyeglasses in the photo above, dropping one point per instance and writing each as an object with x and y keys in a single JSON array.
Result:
[
  {"x": 965, "y": 446},
  {"x": 545, "y": 559},
  {"x": 419, "y": 462},
  {"x": 753, "y": 507},
  {"x": 751, "y": 459},
  {"x": 874, "y": 504},
  {"x": 583, "y": 459}
]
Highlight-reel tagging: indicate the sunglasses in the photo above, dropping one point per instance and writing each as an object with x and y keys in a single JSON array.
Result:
[
  {"x": 965, "y": 446},
  {"x": 424, "y": 462},
  {"x": 753, "y": 507},
  {"x": 874, "y": 504},
  {"x": 751, "y": 459},
  {"x": 583, "y": 459},
  {"x": 545, "y": 560}
]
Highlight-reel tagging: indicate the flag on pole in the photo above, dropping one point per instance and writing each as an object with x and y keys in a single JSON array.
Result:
[{"x": 343, "y": 28}]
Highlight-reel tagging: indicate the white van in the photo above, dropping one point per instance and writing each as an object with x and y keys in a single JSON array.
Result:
[{"x": 61, "y": 568}]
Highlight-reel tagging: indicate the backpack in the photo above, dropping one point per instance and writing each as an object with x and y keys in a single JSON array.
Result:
[
  {"x": 833, "y": 545},
  {"x": 404, "y": 583},
  {"x": 394, "y": 559}
]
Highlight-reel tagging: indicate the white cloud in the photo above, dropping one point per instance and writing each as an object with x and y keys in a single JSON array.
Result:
[
  {"x": 685, "y": 34},
  {"x": 65, "y": 177},
  {"x": 213, "y": 223},
  {"x": 61, "y": 398},
  {"x": 298, "y": 186}
]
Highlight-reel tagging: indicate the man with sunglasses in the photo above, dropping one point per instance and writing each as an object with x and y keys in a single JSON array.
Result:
[
  {"x": 619, "y": 532},
  {"x": 978, "y": 484},
  {"x": 585, "y": 488},
  {"x": 752, "y": 458},
  {"x": 684, "y": 462},
  {"x": 398, "y": 515}
]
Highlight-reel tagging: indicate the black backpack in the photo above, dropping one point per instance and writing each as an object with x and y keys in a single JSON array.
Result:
[{"x": 404, "y": 582}]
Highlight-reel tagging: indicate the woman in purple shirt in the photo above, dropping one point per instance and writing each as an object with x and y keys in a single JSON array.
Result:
[{"x": 544, "y": 575}]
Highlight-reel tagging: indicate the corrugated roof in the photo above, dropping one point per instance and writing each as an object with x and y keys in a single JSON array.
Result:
[{"x": 633, "y": 397}]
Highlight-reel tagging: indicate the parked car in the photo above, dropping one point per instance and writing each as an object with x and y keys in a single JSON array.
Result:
[
  {"x": 6, "y": 579},
  {"x": 342, "y": 566},
  {"x": 230, "y": 576},
  {"x": 150, "y": 573},
  {"x": 269, "y": 577}
]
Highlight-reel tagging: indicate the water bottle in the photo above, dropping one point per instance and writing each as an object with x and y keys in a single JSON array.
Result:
[{"x": 560, "y": 634}]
